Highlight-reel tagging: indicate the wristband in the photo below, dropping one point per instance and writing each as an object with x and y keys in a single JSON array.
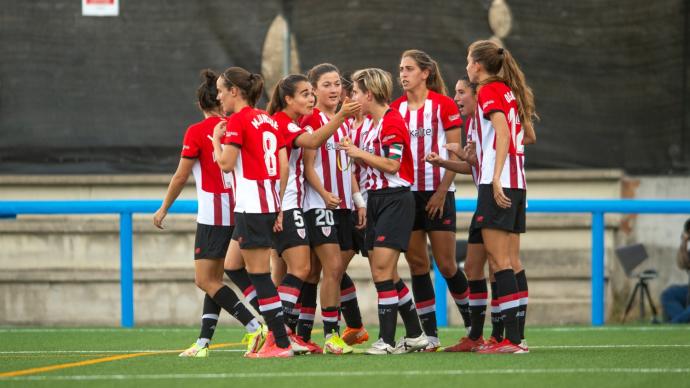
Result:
[{"x": 359, "y": 200}]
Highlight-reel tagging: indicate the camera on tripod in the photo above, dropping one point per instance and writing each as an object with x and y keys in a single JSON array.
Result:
[{"x": 630, "y": 257}]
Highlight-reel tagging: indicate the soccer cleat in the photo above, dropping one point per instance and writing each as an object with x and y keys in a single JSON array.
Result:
[
  {"x": 195, "y": 351},
  {"x": 409, "y": 345},
  {"x": 380, "y": 348},
  {"x": 271, "y": 350},
  {"x": 298, "y": 345},
  {"x": 523, "y": 344},
  {"x": 255, "y": 340},
  {"x": 490, "y": 342},
  {"x": 353, "y": 336},
  {"x": 466, "y": 344},
  {"x": 335, "y": 345},
  {"x": 314, "y": 348},
  {"x": 433, "y": 346},
  {"x": 503, "y": 347}
]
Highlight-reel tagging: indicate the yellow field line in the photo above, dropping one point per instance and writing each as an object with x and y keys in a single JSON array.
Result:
[{"x": 50, "y": 368}]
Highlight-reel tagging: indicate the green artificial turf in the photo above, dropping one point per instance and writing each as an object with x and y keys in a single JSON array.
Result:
[{"x": 618, "y": 356}]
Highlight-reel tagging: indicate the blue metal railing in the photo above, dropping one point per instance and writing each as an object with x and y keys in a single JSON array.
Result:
[{"x": 126, "y": 208}]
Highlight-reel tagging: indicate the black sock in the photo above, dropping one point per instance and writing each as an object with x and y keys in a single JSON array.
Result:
[
  {"x": 241, "y": 279},
  {"x": 496, "y": 321},
  {"x": 388, "y": 310},
  {"x": 407, "y": 310},
  {"x": 227, "y": 299},
  {"x": 458, "y": 287},
  {"x": 524, "y": 297},
  {"x": 330, "y": 318},
  {"x": 209, "y": 318},
  {"x": 348, "y": 303},
  {"x": 306, "y": 316},
  {"x": 289, "y": 291},
  {"x": 478, "y": 300},
  {"x": 271, "y": 307},
  {"x": 425, "y": 301},
  {"x": 509, "y": 302}
]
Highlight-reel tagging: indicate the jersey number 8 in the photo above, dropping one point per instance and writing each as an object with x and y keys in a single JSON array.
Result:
[{"x": 270, "y": 143}]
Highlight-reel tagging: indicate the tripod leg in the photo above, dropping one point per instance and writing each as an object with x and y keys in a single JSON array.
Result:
[
  {"x": 630, "y": 301},
  {"x": 646, "y": 292}
]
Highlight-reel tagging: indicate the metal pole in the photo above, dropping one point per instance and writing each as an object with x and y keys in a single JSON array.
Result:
[
  {"x": 441, "y": 298},
  {"x": 126, "y": 275},
  {"x": 597, "y": 269}
]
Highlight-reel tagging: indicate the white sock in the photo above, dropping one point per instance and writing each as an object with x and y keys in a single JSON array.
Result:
[
  {"x": 253, "y": 326},
  {"x": 202, "y": 342}
]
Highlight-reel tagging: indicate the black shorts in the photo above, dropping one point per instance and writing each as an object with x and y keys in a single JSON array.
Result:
[
  {"x": 326, "y": 226},
  {"x": 390, "y": 214},
  {"x": 254, "y": 230},
  {"x": 475, "y": 234},
  {"x": 358, "y": 237},
  {"x": 489, "y": 215},
  {"x": 421, "y": 217},
  {"x": 211, "y": 241},
  {"x": 294, "y": 231}
]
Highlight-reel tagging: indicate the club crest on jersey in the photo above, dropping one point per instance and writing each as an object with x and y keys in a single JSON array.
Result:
[
  {"x": 292, "y": 127},
  {"x": 326, "y": 230},
  {"x": 301, "y": 233}
]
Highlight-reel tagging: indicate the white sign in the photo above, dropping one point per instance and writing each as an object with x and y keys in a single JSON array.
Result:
[{"x": 100, "y": 7}]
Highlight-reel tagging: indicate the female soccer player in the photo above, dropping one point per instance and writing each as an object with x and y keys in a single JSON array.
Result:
[
  {"x": 293, "y": 98},
  {"x": 255, "y": 150},
  {"x": 215, "y": 218},
  {"x": 505, "y": 105},
  {"x": 328, "y": 200},
  {"x": 386, "y": 155},
  {"x": 433, "y": 120}
]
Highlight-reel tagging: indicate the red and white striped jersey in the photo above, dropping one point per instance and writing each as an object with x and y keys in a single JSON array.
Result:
[
  {"x": 471, "y": 130},
  {"x": 214, "y": 189},
  {"x": 357, "y": 135},
  {"x": 391, "y": 129},
  {"x": 497, "y": 97},
  {"x": 257, "y": 172},
  {"x": 336, "y": 180},
  {"x": 294, "y": 192},
  {"x": 428, "y": 126}
]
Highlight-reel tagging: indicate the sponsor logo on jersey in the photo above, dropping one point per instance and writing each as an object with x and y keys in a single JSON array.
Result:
[
  {"x": 446, "y": 221},
  {"x": 487, "y": 103},
  {"x": 331, "y": 146},
  {"x": 420, "y": 132},
  {"x": 509, "y": 96},
  {"x": 294, "y": 128},
  {"x": 326, "y": 230},
  {"x": 185, "y": 147},
  {"x": 301, "y": 233},
  {"x": 454, "y": 117},
  {"x": 480, "y": 218},
  {"x": 197, "y": 250},
  {"x": 385, "y": 139},
  {"x": 381, "y": 238}
]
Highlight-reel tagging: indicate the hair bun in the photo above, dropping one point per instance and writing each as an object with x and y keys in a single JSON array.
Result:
[{"x": 209, "y": 76}]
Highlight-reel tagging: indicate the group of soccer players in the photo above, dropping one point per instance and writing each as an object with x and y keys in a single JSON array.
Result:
[{"x": 333, "y": 167}]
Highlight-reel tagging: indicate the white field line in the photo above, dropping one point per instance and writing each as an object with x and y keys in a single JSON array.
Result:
[
  {"x": 542, "y": 347},
  {"x": 350, "y": 374}
]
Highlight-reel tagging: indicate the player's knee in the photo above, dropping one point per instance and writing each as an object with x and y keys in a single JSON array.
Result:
[
  {"x": 302, "y": 270},
  {"x": 448, "y": 268}
]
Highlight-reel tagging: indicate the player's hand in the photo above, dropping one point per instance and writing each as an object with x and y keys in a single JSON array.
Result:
[
  {"x": 219, "y": 130},
  {"x": 332, "y": 201},
  {"x": 434, "y": 159},
  {"x": 456, "y": 149},
  {"x": 158, "y": 218},
  {"x": 471, "y": 152},
  {"x": 350, "y": 149},
  {"x": 278, "y": 225},
  {"x": 434, "y": 208},
  {"x": 349, "y": 108},
  {"x": 500, "y": 198},
  {"x": 361, "y": 218}
]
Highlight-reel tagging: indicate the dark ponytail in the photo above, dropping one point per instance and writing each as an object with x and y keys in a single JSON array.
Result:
[
  {"x": 207, "y": 92},
  {"x": 285, "y": 87},
  {"x": 250, "y": 85}
]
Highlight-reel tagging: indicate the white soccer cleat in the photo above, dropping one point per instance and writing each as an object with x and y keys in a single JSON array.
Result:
[
  {"x": 380, "y": 348},
  {"x": 409, "y": 345}
]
